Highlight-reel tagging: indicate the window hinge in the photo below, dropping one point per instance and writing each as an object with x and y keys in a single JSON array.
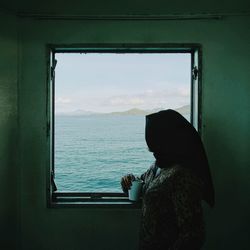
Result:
[
  {"x": 52, "y": 72},
  {"x": 52, "y": 69},
  {"x": 195, "y": 73},
  {"x": 54, "y": 187}
]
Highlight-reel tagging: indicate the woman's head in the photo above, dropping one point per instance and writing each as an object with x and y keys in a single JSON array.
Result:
[
  {"x": 173, "y": 140},
  {"x": 169, "y": 133}
]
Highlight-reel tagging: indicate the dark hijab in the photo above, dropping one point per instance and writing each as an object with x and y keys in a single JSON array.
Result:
[{"x": 173, "y": 140}]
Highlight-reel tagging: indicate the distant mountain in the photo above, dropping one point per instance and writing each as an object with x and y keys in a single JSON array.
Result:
[
  {"x": 184, "y": 110},
  {"x": 133, "y": 111}
]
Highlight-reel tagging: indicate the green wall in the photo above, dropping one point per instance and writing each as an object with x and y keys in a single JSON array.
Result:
[
  {"x": 97, "y": 7},
  {"x": 226, "y": 133},
  {"x": 226, "y": 105},
  {"x": 226, "y": 117},
  {"x": 9, "y": 173}
]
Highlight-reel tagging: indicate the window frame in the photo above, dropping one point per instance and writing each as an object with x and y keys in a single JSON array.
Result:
[{"x": 107, "y": 199}]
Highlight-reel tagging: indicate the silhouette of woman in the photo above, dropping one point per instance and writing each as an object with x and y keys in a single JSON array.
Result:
[{"x": 174, "y": 186}]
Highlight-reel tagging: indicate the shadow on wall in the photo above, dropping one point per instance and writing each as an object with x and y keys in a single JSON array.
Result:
[
  {"x": 9, "y": 184},
  {"x": 229, "y": 219}
]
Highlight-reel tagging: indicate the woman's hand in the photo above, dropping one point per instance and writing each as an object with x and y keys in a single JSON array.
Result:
[{"x": 126, "y": 182}]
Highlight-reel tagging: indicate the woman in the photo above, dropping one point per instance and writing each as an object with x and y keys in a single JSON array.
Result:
[{"x": 174, "y": 185}]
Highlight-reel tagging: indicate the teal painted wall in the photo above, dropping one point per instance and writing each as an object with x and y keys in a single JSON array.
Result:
[
  {"x": 9, "y": 172},
  {"x": 226, "y": 117},
  {"x": 89, "y": 7},
  {"x": 226, "y": 133}
]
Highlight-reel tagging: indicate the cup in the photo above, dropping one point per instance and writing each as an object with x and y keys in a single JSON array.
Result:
[{"x": 135, "y": 190}]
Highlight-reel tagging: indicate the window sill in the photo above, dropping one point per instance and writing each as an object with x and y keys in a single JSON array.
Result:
[{"x": 93, "y": 200}]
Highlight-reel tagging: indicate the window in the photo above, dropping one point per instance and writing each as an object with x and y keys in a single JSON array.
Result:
[{"x": 98, "y": 101}]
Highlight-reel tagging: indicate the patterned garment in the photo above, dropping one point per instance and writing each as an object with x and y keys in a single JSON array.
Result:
[{"x": 172, "y": 216}]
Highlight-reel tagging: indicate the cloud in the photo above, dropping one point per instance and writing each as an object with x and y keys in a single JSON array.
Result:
[
  {"x": 171, "y": 97},
  {"x": 126, "y": 100},
  {"x": 62, "y": 100},
  {"x": 183, "y": 91}
]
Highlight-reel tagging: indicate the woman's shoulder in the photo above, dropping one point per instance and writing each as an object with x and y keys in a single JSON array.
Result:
[
  {"x": 181, "y": 174},
  {"x": 173, "y": 171},
  {"x": 179, "y": 170}
]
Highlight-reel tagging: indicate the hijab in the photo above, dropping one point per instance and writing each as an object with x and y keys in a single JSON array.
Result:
[{"x": 173, "y": 140}]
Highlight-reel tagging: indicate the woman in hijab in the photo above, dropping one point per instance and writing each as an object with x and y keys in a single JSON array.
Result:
[{"x": 174, "y": 185}]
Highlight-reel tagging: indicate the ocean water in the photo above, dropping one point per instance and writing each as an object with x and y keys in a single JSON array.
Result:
[{"x": 93, "y": 152}]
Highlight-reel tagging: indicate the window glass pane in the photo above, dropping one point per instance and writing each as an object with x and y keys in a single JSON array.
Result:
[{"x": 101, "y": 100}]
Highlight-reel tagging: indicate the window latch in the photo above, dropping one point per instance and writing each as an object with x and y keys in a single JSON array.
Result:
[
  {"x": 195, "y": 73},
  {"x": 95, "y": 196}
]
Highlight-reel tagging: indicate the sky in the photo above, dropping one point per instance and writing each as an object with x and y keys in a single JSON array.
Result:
[{"x": 102, "y": 82}]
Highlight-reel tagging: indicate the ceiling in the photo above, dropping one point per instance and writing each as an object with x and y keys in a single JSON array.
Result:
[{"x": 125, "y": 7}]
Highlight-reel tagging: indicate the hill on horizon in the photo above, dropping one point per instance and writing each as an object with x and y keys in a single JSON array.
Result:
[{"x": 184, "y": 110}]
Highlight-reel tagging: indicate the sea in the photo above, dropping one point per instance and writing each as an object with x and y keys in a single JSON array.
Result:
[{"x": 93, "y": 152}]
